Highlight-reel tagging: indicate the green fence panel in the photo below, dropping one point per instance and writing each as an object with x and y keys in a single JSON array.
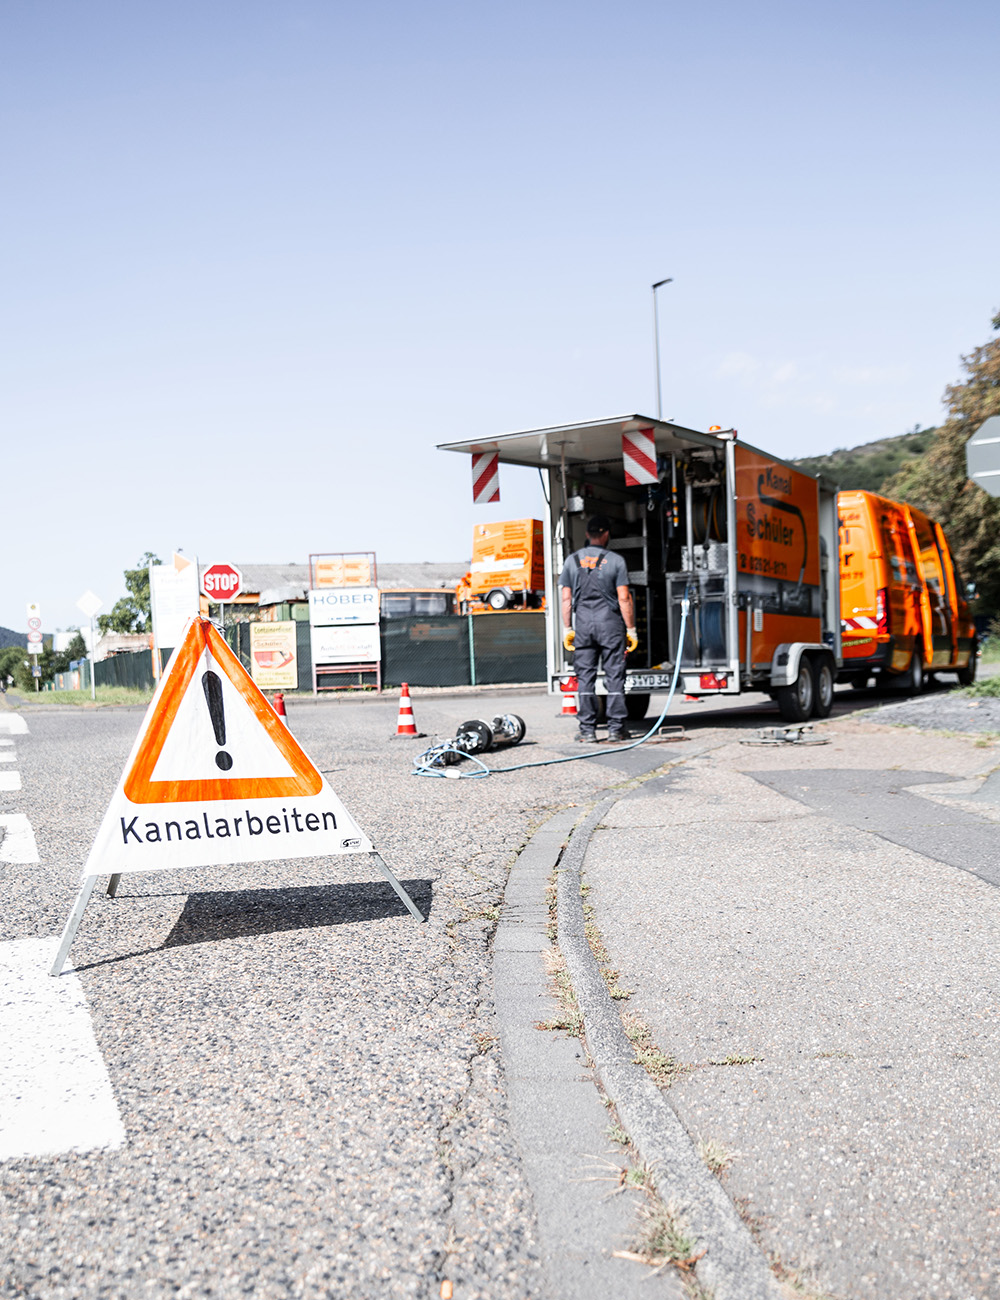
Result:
[
  {"x": 509, "y": 647},
  {"x": 431, "y": 650}
]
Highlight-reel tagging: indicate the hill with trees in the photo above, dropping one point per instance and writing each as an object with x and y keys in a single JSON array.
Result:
[{"x": 867, "y": 467}]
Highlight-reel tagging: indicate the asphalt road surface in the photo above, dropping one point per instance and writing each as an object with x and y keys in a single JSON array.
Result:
[
  {"x": 274, "y": 1081},
  {"x": 284, "y": 1084}
]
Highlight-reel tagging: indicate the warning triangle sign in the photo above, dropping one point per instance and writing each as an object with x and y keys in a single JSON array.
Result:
[
  {"x": 215, "y": 777},
  {"x": 213, "y": 735}
]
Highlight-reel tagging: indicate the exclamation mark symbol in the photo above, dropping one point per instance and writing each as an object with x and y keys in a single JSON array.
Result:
[{"x": 212, "y": 684}]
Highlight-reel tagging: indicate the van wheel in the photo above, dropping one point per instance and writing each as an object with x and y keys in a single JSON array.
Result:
[
  {"x": 636, "y": 706},
  {"x": 967, "y": 675},
  {"x": 915, "y": 679},
  {"x": 796, "y": 701},
  {"x": 497, "y": 599},
  {"x": 823, "y": 702}
]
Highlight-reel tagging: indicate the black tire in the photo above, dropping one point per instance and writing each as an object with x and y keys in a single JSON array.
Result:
[
  {"x": 967, "y": 675},
  {"x": 916, "y": 678},
  {"x": 497, "y": 599},
  {"x": 477, "y": 736},
  {"x": 796, "y": 701},
  {"x": 636, "y": 707},
  {"x": 823, "y": 694}
]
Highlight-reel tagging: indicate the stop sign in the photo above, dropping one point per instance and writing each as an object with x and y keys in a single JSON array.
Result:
[{"x": 221, "y": 582}]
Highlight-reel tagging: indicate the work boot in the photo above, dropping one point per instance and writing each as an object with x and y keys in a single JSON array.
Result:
[
  {"x": 587, "y": 736},
  {"x": 617, "y": 735}
]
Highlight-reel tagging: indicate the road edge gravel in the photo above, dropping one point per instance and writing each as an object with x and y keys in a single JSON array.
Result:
[{"x": 733, "y": 1267}]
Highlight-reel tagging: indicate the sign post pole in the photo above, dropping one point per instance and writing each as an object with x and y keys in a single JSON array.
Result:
[
  {"x": 35, "y": 640},
  {"x": 89, "y": 604}
]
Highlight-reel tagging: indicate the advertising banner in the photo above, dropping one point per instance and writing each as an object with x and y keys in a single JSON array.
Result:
[
  {"x": 174, "y": 598},
  {"x": 353, "y": 643},
  {"x": 337, "y": 606},
  {"x": 273, "y": 664}
]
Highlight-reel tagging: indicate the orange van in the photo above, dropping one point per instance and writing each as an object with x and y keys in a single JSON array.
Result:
[{"x": 902, "y": 600}]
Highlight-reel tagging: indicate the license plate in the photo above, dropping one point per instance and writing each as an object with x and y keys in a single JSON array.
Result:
[{"x": 647, "y": 681}]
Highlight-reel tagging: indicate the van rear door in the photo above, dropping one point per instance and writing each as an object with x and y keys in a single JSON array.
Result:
[
  {"x": 934, "y": 605},
  {"x": 858, "y": 577}
]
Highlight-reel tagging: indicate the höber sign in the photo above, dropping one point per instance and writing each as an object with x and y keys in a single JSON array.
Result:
[{"x": 221, "y": 582}]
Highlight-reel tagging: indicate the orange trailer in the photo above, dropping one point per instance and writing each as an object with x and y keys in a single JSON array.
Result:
[
  {"x": 731, "y": 543},
  {"x": 508, "y": 567}
]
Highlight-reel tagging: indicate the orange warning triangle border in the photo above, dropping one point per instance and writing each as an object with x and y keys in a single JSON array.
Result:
[{"x": 138, "y": 785}]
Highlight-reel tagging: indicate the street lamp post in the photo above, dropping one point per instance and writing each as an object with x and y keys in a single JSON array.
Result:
[{"x": 656, "y": 346}]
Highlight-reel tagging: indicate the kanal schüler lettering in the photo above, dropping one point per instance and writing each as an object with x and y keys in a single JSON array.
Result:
[{"x": 288, "y": 823}]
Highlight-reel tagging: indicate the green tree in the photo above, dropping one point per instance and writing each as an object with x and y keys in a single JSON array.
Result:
[
  {"x": 131, "y": 613},
  {"x": 77, "y": 649},
  {"x": 938, "y": 484},
  {"x": 12, "y": 659}
]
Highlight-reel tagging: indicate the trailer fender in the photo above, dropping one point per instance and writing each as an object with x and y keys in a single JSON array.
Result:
[{"x": 788, "y": 657}]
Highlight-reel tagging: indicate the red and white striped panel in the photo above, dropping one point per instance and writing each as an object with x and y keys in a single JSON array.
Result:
[
  {"x": 485, "y": 477},
  {"x": 858, "y": 624},
  {"x": 639, "y": 455}
]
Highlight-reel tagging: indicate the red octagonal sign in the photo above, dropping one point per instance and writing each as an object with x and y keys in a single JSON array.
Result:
[{"x": 221, "y": 582}]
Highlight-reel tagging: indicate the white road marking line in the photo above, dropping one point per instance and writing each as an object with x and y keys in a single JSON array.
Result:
[
  {"x": 17, "y": 839},
  {"x": 12, "y": 724},
  {"x": 7, "y": 756},
  {"x": 5, "y": 742},
  {"x": 10, "y": 780},
  {"x": 55, "y": 1093}
]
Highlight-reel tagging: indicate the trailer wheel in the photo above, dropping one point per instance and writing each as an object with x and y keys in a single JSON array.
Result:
[
  {"x": 823, "y": 702},
  {"x": 497, "y": 599},
  {"x": 967, "y": 675},
  {"x": 796, "y": 701},
  {"x": 636, "y": 706}
]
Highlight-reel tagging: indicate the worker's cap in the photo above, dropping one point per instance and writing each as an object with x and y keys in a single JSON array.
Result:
[{"x": 598, "y": 524}]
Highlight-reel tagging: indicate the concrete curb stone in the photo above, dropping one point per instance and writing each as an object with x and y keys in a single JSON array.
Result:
[{"x": 733, "y": 1267}]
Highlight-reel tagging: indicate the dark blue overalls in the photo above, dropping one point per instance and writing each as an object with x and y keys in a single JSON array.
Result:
[{"x": 600, "y": 634}]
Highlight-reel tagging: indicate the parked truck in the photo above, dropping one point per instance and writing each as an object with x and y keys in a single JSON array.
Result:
[
  {"x": 508, "y": 567},
  {"x": 746, "y": 541},
  {"x": 903, "y": 602}
]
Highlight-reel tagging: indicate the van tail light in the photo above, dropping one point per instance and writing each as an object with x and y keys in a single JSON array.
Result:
[
  {"x": 882, "y": 610},
  {"x": 710, "y": 682}
]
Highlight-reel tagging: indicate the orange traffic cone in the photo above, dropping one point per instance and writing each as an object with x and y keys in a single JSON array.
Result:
[
  {"x": 405, "y": 725},
  {"x": 568, "y": 688},
  {"x": 279, "y": 707}
]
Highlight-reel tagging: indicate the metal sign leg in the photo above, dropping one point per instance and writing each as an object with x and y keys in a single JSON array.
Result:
[
  {"x": 113, "y": 884},
  {"x": 403, "y": 895},
  {"x": 86, "y": 889}
]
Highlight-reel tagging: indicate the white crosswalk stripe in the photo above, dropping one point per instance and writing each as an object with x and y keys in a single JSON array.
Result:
[
  {"x": 17, "y": 839},
  {"x": 55, "y": 1093}
]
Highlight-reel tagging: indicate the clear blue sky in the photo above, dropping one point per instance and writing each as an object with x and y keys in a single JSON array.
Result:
[{"x": 260, "y": 258}]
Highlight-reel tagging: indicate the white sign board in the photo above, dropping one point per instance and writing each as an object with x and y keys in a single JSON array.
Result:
[
  {"x": 337, "y": 606},
  {"x": 982, "y": 456},
  {"x": 174, "y": 598},
  {"x": 353, "y": 644},
  {"x": 89, "y": 604}
]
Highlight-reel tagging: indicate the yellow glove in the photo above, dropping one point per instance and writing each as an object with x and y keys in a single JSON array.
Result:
[
  {"x": 569, "y": 640},
  {"x": 631, "y": 640}
]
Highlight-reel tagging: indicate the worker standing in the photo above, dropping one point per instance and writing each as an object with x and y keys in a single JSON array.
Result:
[{"x": 599, "y": 620}]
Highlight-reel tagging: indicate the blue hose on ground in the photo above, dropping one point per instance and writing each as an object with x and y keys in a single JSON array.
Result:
[{"x": 422, "y": 764}]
